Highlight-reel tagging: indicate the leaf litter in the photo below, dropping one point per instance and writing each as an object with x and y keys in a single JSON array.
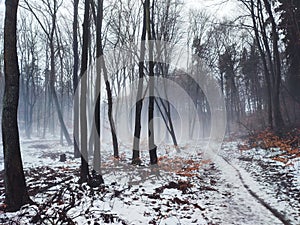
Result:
[{"x": 184, "y": 188}]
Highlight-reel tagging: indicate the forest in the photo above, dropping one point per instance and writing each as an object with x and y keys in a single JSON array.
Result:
[{"x": 150, "y": 112}]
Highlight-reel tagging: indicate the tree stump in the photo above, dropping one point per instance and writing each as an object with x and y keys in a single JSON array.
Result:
[{"x": 62, "y": 158}]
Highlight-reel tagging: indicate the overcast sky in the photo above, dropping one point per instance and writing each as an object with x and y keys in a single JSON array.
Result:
[
  {"x": 218, "y": 8},
  {"x": 1, "y": 13}
]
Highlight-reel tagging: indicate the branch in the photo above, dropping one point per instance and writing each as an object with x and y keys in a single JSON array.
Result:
[{"x": 36, "y": 17}]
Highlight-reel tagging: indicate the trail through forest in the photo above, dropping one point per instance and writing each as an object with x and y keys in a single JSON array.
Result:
[
  {"x": 185, "y": 188},
  {"x": 140, "y": 91}
]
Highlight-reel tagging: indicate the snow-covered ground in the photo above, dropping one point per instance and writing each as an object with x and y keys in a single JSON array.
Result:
[
  {"x": 186, "y": 188},
  {"x": 276, "y": 183}
]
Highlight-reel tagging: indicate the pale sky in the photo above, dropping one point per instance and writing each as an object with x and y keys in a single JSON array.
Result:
[
  {"x": 1, "y": 13},
  {"x": 218, "y": 8}
]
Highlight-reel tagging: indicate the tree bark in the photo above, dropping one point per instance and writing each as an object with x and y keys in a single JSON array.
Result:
[
  {"x": 139, "y": 101},
  {"x": 75, "y": 78},
  {"x": 151, "y": 141},
  {"x": 278, "y": 120},
  {"x": 52, "y": 79},
  {"x": 97, "y": 121},
  {"x": 15, "y": 186},
  {"x": 107, "y": 83},
  {"x": 266, "y": 70},
  {"x": 84, "y": 170}
]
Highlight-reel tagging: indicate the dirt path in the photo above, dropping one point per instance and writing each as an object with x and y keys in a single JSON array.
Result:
[
  {"x": 269, "y": 208},
  {"x": 242, "y": 208}
]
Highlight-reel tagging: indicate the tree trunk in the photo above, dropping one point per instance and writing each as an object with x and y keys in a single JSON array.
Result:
[
  {"x": 107, "y": 85},
  {"x": 168, "y": 121},
  {"x": 60, "y": 116},
  {"x": 139, "y": 101},
  {"x": 266, "y": 70},
  {"x": 97, "y": 143},
  {"x": 97, "y": 119},
  {"x": 54, "y": 95},
  {"x": 151, "y": 144},
  {"x": 278, "y": 120},
  {"x": 75, "y": 79},
  {"x": 15, "y": 186},
  {"x": 172, "y": 130},
  {"x": 84, "y": 170}
]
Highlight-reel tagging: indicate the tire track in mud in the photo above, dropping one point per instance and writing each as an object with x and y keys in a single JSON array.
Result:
[{"x": 274, "y": 211}]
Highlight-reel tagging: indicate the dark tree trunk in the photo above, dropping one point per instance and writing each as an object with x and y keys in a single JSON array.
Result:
[
  {"x": 139, "y": 101},
  {"x": 172, "y": 130},
  {"x": 75, "y": 78},
  {"x": 168, "y": 121},
  {"x": 97, "y": 144},
  {"x": 107, "y": 84},
  {"x": 46, "y": 109},
  {"x": 110, "y": 112},
  {"x": 270, "y": 58},
  {"x": 84, "y": 170},
  {"x": 151, "y": 144},
  {"x": 26, "y": 100},
  {"x": 60, "y": 115},
  {"x": 61, "y": 58},
  {"x": 266, "y": 70},
  {"x": 15, "y": 186},
  {"x": 278, "y": 120},
  {"x": 97, "y": 121},
  {"x": 172, "y": 133}
]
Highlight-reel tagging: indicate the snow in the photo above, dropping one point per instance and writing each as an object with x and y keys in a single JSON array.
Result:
[
  {"x": 187, "y": 188},
  {"x": 274, "y": 182}
]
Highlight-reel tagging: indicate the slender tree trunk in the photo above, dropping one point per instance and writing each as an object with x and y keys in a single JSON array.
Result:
[
  {"x": 151, "y": 135},
  {"x": 60, "y": 116},
  {"x": 266, "y": 70},
  {"x": 139, "y": 101},
  {"x": 97, "y": 119},
  {"x": 168, "y": 121},
  {"x": 52, "y": 77},
  {"x": 165, "y": 70},
  {"x": 55, "y": 98},
  {"x": 278, "y": 120},
  {"x": 172, "y": 130},
  {"x": 97, "y": 143},
  {"x": 107, "y": 85},
  {"x": 45, "y": 106},
  {"x": 26, "y": 103},
  {"x": 84, "y": 169},
  {"x": 59, "y": 44},
  {"x": 110, "y": 112},
  {"x": 15, "y": 186},
  {"x": 75, "y": 79}
]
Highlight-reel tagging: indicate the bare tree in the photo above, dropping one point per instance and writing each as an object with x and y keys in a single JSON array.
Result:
[
  {"x": 139, "y": 100},
  {"x": 166, "y": 33},
  {"x": 84, "y": 169},
  {"x": 15, "y": 186},
  {"x": 49, "y": 30},
  {"x": 100, "y": 59},
  {"x": 29, "y": 69},
  {"x": 75, "y": 77},
  {"x": 151, "y": 144},
  {"x": 270, "y": 56},
  {"x": 278, "y": 121}
]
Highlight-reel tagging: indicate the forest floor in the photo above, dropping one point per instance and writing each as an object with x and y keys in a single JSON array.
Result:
[{"x": 232, "y": 187}]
